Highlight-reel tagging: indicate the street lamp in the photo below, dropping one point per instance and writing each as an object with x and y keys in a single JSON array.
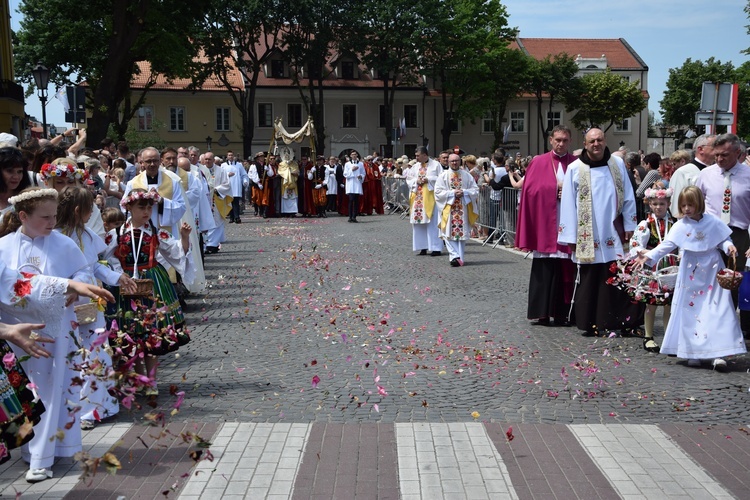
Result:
[
  {"x": 41, "y": 79},
  {"x": 663, "y": 131},
  {"x": 209, "y": 140}
]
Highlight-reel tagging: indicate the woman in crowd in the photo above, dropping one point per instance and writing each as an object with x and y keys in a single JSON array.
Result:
[{"x": 13, "y": 176}]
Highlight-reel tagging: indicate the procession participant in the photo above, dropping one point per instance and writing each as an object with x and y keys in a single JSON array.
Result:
[
  {"x": 343, "y": 199},
  {"x": 221, "y": 202},
  {"x": 704, "y": 325},
  {"x": 318, "y": 176},
  {"x": 376, "y": 187},
  {"x": 423, "y": 213},
  {"x": 354, "y": 173},
  {"x": 271, "y": 197},
  {"x": 647, "y": 236},
  {"x": 456, "y": 195},
  {"x": 552, "y": 272},
  {"x": 333, "y": 185},
  {"x": 597, "y": 200},
  {"x": 365, "y": 201},
  {"x": 305, "y": 203},
  {"x": 256, "y": 173},
  {"x": 14, "y": 175},
  {"x": 171, "y": 206},
  {"x": 239, "y": 181},
  {"x": 29, "y": 244},
  {"x": 288, "y": 172}
]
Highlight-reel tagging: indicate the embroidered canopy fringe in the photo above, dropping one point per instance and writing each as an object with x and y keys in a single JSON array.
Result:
[{"x": 280, "y": 133}]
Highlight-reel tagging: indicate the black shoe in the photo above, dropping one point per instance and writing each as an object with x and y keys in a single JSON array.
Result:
[
  {"x": 438, "y": 253},
  {"x": 210, "y": 249},
  {"x": 423, "y": 252},
  {"x": 632, "y": 332},
  {"x": 454, "y": 262},
  {"x": 649, "y": 345},
  {"x": 590, "y": 333},
  {"x": 541, "y": 322},
  {"x": 323, "y": 214},
  {"x": 355, "y": 220},
  {"x": 237, "y": 221}
]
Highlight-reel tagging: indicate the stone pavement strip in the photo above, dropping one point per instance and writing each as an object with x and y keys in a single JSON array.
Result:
[{"x": 328, "y": 361}]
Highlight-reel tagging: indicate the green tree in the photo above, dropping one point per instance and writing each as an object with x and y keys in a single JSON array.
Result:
[
  {"x": 552, "y": 78},
  {"x": 464, "y": 39},
  {"x": 604, "y": 99},
  {"x": 100, "y": 44},
  {"x": 682, "y": 98},
  {"x": 311, "y": 36},
  {"x": 742, "y": 78},
  {"x": 386, "y": 39},
  {"x": 241, "y": 36},
  {"x": 510, "y": 71}
]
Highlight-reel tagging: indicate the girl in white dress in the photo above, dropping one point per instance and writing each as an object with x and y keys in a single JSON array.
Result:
[
  {"x": 29, "y": 244},
  {"x": 703, "y": 324},
  {"x": 73, "y": 212}
]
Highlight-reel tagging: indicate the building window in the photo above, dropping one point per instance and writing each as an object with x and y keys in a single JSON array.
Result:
[
  {"x": 623, "y": 126},
  {"x": 554, "y": 118},
  {"x": 347, "y": 70},
  {"x": 146, "y": 118},
  {"x": 177, "y": 119},
  {"x": 410, "y": 150},
  {"x": 222, "y": 119},
  {"x": 349, "y": 116},
  {"x": 294, "y": 115},
  {"x": 517, "y": 121},
  {"x": 455, "y": 124},
  {"x": 277, "y": 68},
  {"x": 487, "y": 125},
  {"x": 410, "y": 115},
  {"x": 265, "y": 114}
]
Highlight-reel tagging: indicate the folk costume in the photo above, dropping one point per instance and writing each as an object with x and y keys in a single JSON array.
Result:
[
  {"x": 457, "y": 215},
  {"x": 306, "y": 203},
  {"x": 552, "y": 272},
  {"x": 53, "y": 255},
  {"x": 704, "y": 324},
  {"x": 318, "y": 178},
  {"x": 423, "y": 213},
  {"x": 595, "y": 198},
  {"x": 144, "y": 253}
]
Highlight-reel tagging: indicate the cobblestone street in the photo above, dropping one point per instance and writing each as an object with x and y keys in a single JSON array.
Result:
[{"x": 317, "y": 320}]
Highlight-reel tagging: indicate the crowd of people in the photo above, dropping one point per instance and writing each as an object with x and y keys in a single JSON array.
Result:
[{"x": 142, "y": 223}]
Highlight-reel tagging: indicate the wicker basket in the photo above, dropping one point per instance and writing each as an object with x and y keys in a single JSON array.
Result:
[
  {"x": 144, "y": 288},
  {"x": 86, "y": 313},
  {"x": 730, "y": 279},
  {"x": 667, "y": 277}
]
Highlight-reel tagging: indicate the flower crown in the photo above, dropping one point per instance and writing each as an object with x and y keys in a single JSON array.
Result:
[
  {"x": 140, "y": 195},
  {"x": 652, "y": 193},
  {"x": 65, "y": 169},
  {"x": 31, "y": 194}
]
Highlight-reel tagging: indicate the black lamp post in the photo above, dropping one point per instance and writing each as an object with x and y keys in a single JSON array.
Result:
[
  {"x": 41, "y": 79},
  {"x": 663, "y": 131},
  {"x": 209, "y": 140}
]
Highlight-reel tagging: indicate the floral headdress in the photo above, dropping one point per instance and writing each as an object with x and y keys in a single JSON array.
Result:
[
  {"x": 31, "y": 194},
  {"x": 140, "y": 195},
  {"x": 657, "y": 193},
  {"x": 63, "y": 167}
]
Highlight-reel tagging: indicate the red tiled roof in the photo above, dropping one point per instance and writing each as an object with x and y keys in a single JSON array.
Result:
[
  {"x": 140, "y": 80},
  {"x": 619, "y": 54}
]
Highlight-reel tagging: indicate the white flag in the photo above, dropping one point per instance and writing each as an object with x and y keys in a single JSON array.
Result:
[
  {"x": 62, "y": 96},
  {"x": 690, "y": 134}
]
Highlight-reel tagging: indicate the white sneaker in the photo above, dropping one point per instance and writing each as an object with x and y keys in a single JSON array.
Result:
[
  {"x": 37, "y": 475},
  {"x": 87, "y": 425},
  {"x": 720, "y": 365},
  {"x": 694, "y": 362}
]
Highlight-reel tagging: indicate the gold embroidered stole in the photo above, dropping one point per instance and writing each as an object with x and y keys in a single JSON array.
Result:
[{"x": 585, "y": 246}]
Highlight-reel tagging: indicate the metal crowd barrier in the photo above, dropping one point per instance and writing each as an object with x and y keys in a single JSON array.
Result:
[
  {"x": 396, "y": 196},
  {"x": 499, "y": 216}
]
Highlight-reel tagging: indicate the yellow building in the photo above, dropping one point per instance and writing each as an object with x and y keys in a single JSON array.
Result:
[{"x": 11, "y": 94}]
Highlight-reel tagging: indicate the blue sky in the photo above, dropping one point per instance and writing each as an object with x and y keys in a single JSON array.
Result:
[{"x": 663, "y": 32}]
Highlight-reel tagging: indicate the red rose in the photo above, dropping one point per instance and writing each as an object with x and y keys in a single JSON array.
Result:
[
  {"x": 22, "y": 288},
  {"x": 15, "y": 379},
  {"x": 27, "y": 409}
]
